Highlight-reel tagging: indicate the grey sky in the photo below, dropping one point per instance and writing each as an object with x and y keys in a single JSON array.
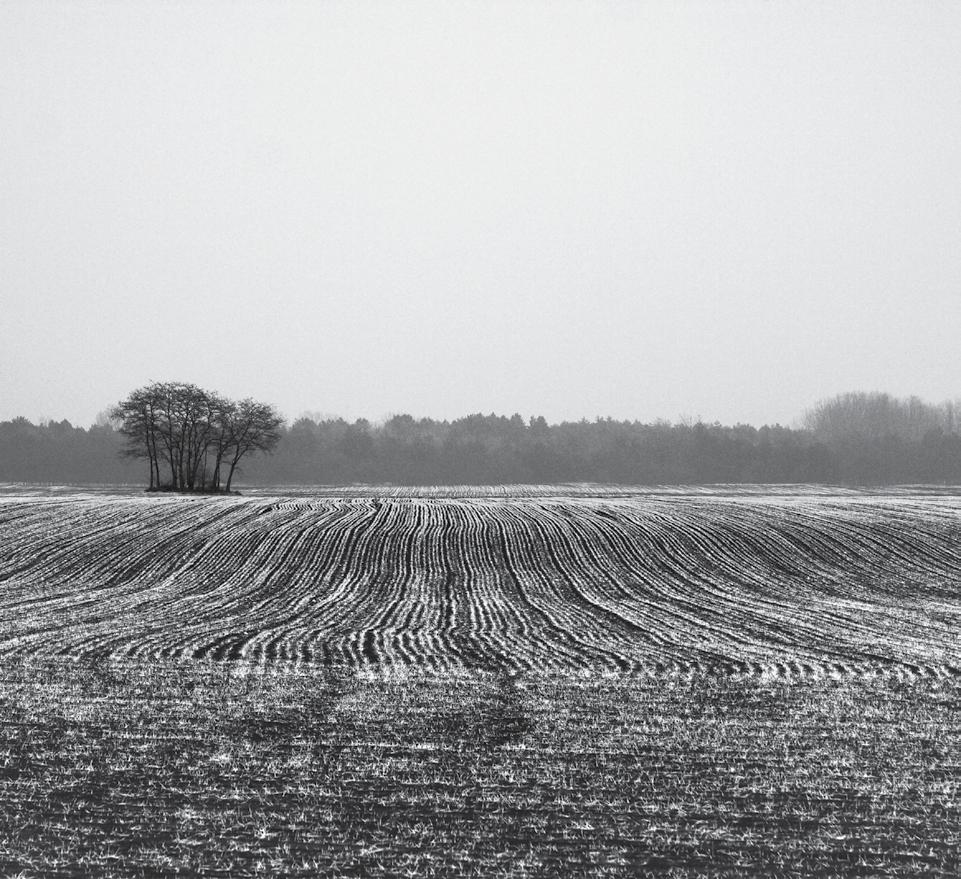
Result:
[{"x": 725, "y": 210}]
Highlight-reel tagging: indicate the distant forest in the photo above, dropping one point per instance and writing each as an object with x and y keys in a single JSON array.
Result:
[{"x": 855, "y": 438}]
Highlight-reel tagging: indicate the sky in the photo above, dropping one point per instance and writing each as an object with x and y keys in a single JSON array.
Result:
[{"x": 724, "y": 211}]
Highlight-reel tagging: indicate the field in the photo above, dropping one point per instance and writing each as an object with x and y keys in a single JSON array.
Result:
[{"x": 470, "y": 681}]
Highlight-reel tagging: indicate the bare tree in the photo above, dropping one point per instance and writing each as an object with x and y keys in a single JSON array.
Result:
[
  {"x": 193, "y": 433},
  {"x": 250, "y": 427},
  {"x": 139, "y": 417}
]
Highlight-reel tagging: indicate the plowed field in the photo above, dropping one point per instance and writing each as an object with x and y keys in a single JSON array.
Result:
[
  {"x": 564, "y": 680},
  {"x": 790, "y": 586}
]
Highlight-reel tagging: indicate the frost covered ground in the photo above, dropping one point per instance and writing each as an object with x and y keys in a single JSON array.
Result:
[{"x": 468, "y": 682}]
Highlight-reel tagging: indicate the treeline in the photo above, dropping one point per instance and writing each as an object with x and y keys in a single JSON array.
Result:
[
  {"x": 494, "y": 449},
  {"x": 857, "y": 439},
  {"x": 58, "y": 452},
  {"x": 875, "y": 438}
]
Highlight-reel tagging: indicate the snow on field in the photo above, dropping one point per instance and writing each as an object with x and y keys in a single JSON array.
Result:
[{"x": 755, "y": 581}]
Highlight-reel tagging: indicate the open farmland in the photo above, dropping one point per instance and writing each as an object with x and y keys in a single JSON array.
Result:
[
  {"x": 481, "y": 682},
  {"x": 780, "y": 585}
]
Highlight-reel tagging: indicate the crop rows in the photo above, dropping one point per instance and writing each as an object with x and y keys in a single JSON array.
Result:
[{"x": 775, "y": 587}]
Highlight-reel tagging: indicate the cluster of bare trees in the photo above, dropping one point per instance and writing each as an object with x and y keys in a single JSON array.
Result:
[{"x": 194, "y": 440}]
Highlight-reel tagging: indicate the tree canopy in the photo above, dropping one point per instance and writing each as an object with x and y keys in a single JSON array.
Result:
[{"x": 192, "y": 438}]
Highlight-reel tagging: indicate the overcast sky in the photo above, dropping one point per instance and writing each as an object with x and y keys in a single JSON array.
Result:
[{"x": 725, "y": 210}]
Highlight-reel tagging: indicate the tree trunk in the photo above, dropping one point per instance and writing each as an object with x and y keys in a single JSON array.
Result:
[
  {"x": 215, "y": 477},
  {"x": 230, "y": 473},
  {"x": 154, "y": 460}
]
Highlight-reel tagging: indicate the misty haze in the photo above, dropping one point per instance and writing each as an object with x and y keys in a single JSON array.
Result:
[
  {"x": 856, "y": 438},
  {"x": 479, "y": 439}
]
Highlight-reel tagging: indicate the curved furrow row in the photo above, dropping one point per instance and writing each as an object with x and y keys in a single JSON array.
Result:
[
  {"x": 477, "y": 618},
  {"x": 292, "y": 596},
  {"x": 786, "y": 587},
  {"x": 87, "y": 572},
  {"x": 716, "y": 564},
  {"x": 830, "y": 623},
  {"x": 201, "y": 596},
  {"x": 614, "y": 639},
  {"x": 550, "y": 622},
  {"x": 598, "y": 578},
  {"x": 876, "y": 563},
  {"x": 838, "y": 620},
  {"x": 630, "y": 581},
  {"x": 658, "y": 565},
  {"x": 297, "y": 586},
  {"x": 713, "y": 561},
  {"x": 489, "y": 628},
  {"x": 393, "y": 594},
  {"x": 876, "y": 540}
]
